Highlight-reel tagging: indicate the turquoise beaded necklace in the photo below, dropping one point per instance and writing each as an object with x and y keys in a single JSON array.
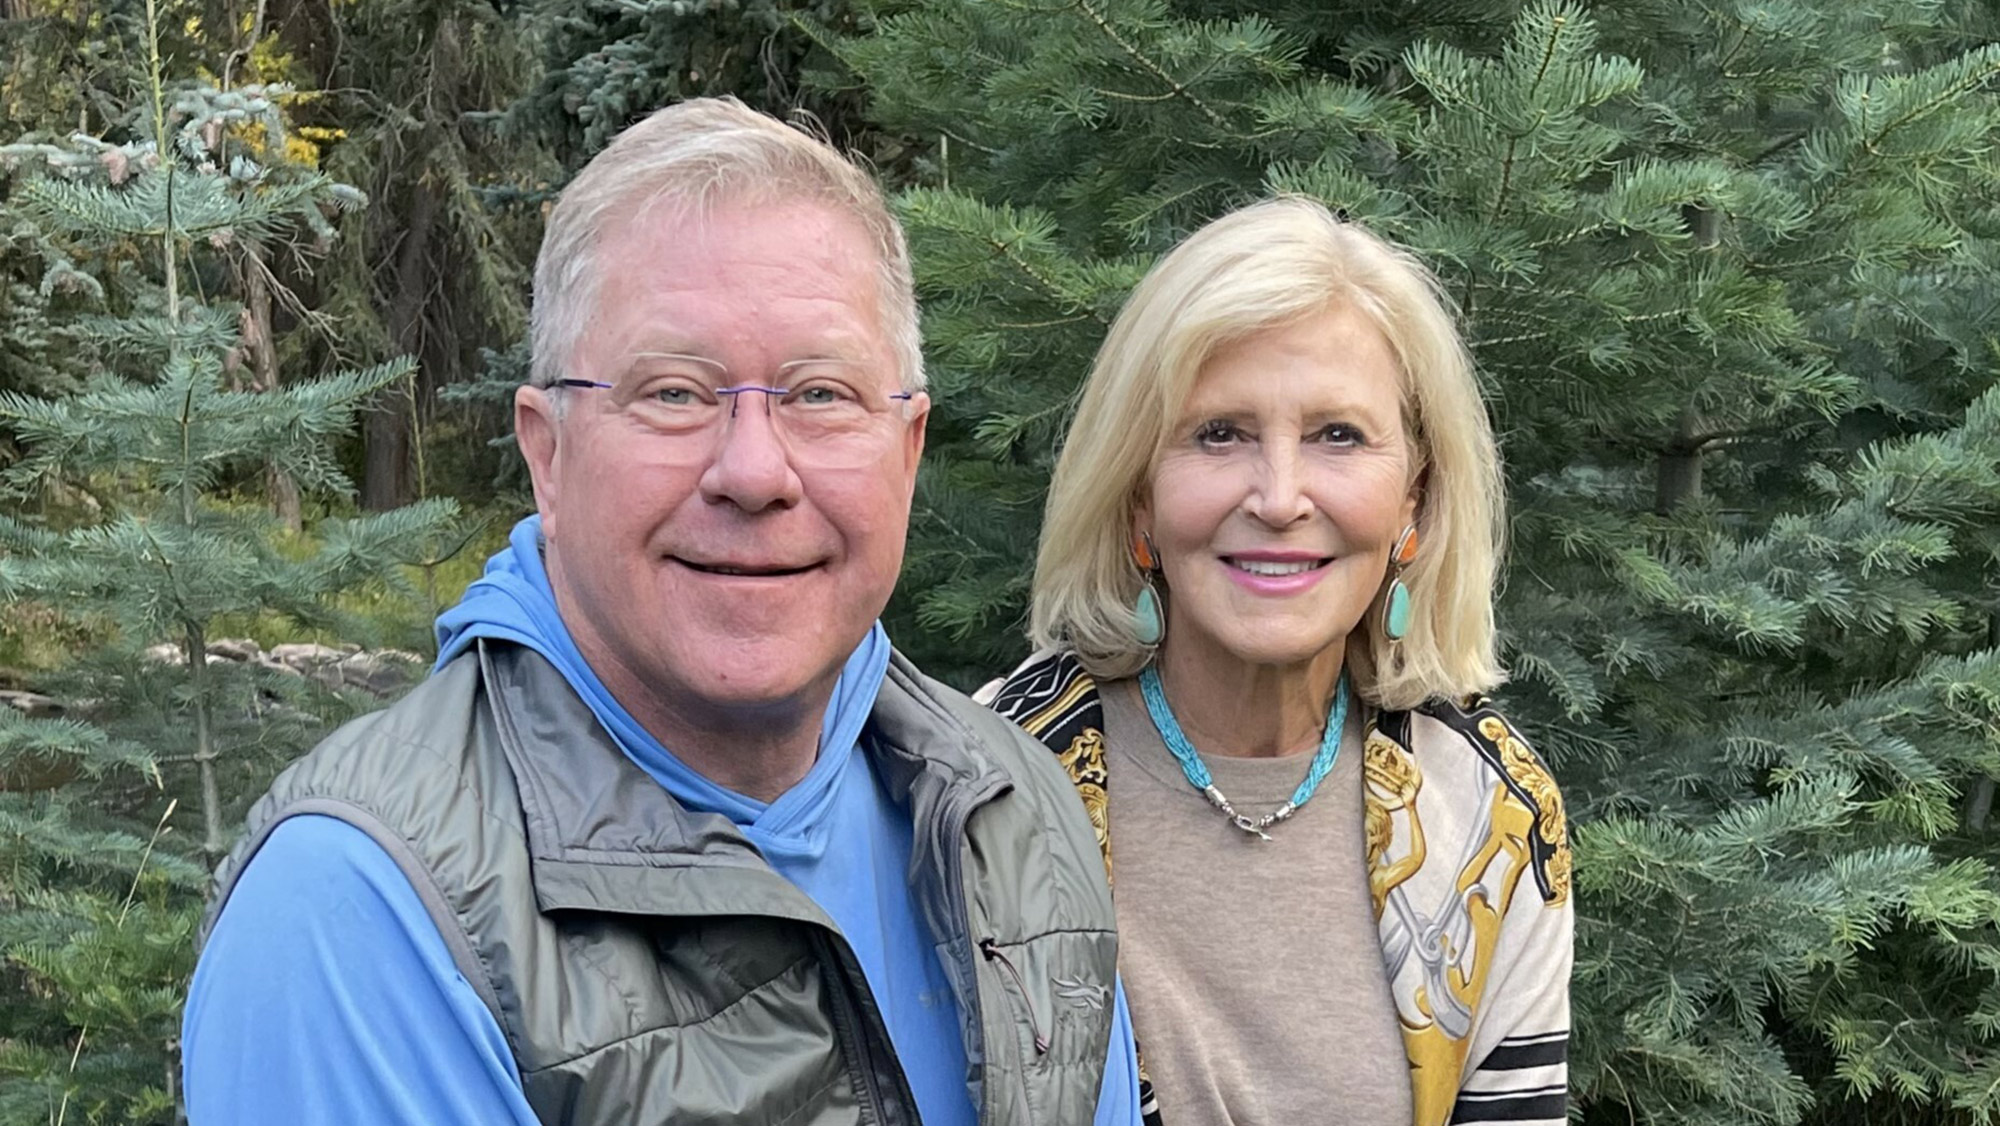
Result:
[{"x": 1197, "y": 770}]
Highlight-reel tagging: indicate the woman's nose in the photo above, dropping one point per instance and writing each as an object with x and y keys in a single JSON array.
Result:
[{"x": 1278, "y": 498}]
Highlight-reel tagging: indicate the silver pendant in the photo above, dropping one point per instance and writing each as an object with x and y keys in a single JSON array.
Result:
[{"x": 1249, "y": 826}]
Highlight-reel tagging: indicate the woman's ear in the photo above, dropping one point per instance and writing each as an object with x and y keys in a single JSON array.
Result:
[{"x": 1414, "y": 499}]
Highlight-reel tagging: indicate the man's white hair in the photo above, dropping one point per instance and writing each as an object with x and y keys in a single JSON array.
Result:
[{"x": 686, "y": 159}]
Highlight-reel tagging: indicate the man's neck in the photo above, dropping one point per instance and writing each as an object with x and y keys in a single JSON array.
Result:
[{"x": 758, "y": 750}]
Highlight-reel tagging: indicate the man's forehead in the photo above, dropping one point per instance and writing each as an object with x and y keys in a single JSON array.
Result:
[
  {"x": 750, "y": 288},
  {"x": 750, "y": 259},
  {"x": 727, "y": 344},
  {"x": 723, "y": 215}
]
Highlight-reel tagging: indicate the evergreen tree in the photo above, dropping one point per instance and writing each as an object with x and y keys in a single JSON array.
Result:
[
  {"x": 608, "y": 63},
  {"x": 437, "y": 267},
  {"x": 65, "y": 67},
  {"x": 1728, "y": 271},
  {"x": 141, "y": 526}
]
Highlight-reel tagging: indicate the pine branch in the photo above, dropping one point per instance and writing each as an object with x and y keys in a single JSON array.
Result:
[{"x": 1174, "y": 87}]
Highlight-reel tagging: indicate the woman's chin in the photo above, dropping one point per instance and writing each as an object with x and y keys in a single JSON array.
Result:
[{"x": 1277, "y": 646}]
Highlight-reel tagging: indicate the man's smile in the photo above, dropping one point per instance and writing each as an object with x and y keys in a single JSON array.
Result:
[{"x": 746, "y": 568}]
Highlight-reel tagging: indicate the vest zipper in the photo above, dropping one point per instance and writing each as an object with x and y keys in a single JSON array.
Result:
[
  {"x": 849, "y": 1012},
  {"x": 992, "y": 951},
  {"x": 952, "y": 820}
]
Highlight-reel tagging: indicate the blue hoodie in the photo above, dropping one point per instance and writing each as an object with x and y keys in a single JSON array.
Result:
[{"x": 326, "y": 994}]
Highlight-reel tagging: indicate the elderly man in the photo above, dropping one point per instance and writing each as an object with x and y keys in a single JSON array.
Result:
[{"x": 670, "y": 835}]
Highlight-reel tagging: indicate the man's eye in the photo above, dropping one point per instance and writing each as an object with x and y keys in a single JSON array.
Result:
[
  {"x": 821, "y": 395},
  {"x": 674, "y": 394}
]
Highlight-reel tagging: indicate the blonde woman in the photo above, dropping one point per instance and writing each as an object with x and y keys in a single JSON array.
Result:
[{"x": 1264, "y": 607}]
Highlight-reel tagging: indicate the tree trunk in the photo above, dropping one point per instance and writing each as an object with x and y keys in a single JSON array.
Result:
[
  {"x": 194, "y": 647},
  {"x": 173, "y": 1055},
  {"x": 1982, "y": 790},
  {"x": 386, "y": 478},
  {"x": 1679, "y": 466},
  {"x": 261, "y": 352},
  {"x": 1679, "y": 479}
]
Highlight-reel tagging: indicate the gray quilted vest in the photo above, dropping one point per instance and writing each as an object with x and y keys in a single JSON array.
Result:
[{"x": 648, "y": 967}]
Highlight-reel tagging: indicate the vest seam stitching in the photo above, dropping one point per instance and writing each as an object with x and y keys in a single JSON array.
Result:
[
  {"x": 1016, "y": 775},
  {"x": 457, "y": 763},
  {"x": 588, "y": 955},
  {"x": 398, "y": 849},
  {"x": 716, "y": 1015},
  {"x": 1055, "y": 932}
]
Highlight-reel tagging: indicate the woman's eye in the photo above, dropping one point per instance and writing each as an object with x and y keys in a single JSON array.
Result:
[
  {"x": 1216, "y": 432},
  {"x": 1341, "y": 434}
]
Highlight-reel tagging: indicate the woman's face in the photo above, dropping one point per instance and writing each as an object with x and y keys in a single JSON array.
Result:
[{"x": 1280, "y": 492}]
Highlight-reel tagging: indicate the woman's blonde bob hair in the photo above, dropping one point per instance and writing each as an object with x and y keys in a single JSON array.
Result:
[{"x": 1258, "y": 268}]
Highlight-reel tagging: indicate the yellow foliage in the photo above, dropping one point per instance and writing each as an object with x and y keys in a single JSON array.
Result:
[
  {"x": 298, "y": 150},
  {"x": 271, "y": 62}
]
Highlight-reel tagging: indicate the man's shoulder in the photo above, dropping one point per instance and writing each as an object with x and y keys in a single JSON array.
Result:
[
  {"x": 429, "y": 727},
  {"x": 371, "y": 768},
  {"x": 1009, "y": 749},
  {"x": 393, "y": 774},
  {"x": 980, "y": 748}
]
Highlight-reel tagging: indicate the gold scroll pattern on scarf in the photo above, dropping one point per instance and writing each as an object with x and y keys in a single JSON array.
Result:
[
  {"x": 1437, "y": 1059},
  {"x": 1391, "y": 782},
  {"x": 1084, "y": 760},
  {"x": 1527, "y": 771}
]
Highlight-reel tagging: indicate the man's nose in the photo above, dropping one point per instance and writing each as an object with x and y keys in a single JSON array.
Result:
[{"x": 751, "y": 468}]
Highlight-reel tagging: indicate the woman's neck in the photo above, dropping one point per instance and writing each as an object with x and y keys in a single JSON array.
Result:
[{"x": 1227, "y": 706}]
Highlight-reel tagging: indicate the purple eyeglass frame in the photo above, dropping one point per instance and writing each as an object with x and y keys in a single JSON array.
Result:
[{"x": 733, "y": 392}]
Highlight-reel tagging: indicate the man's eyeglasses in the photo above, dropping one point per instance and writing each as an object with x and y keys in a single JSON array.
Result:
[{"x": 829, "y": 413}]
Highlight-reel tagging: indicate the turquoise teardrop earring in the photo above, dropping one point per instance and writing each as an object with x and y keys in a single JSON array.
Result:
[
  {"x": 1396, "y": 607},
  {"x": 1149, "y": 617}
]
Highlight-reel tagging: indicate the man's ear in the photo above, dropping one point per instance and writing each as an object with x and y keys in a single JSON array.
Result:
[
  {"x": 537, "y": 430},
  {"x": 913, "y": 436}
]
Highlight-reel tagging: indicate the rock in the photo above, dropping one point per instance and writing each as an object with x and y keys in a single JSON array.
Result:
[
  {"x": 235, "y": 649},
  {"x": 306, "y": 656},
  {"x": 384, "y": 672},
  {"x": 381, "y": 672},
  {"x": 34, "y": 705},
  {"x": 167, "y": 653},
  {"x": 272, "y": 664}
]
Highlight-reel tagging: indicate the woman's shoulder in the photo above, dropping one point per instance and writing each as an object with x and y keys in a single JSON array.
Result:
[
  {"x": 1470, "y": 736},
  {"x": 1440, "y": 731},
  {"x": 1050, "y": 696}
]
